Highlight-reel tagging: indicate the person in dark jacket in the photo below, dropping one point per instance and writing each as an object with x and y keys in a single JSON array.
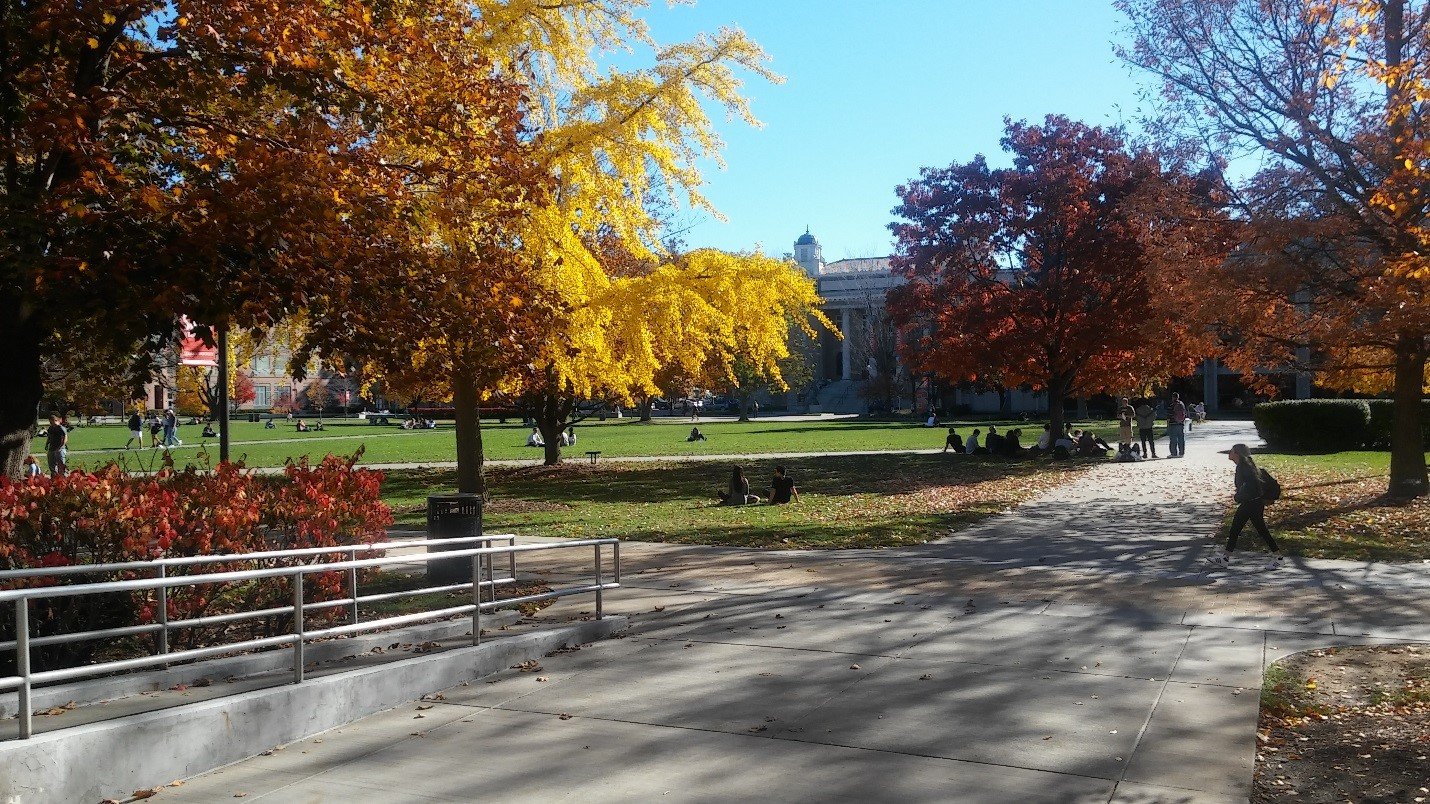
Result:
[
  {"x": 1250, "y": 507},
  {"x": 953, "y": 441}
]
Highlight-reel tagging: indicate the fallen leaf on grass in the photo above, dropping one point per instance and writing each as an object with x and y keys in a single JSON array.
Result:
[{"x": 424, "y": 708}]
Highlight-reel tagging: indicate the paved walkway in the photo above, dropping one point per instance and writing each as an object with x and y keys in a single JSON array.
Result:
[{"x": 1070, "y": 650}]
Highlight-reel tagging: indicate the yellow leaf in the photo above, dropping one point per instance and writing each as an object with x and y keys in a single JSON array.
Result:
[{"x": 93, "y": 43}]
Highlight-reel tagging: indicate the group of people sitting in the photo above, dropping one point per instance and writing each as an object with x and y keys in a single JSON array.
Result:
[
  {"x": 1079, "y": 443},
  {"x": 782, "y": 489},
  {"x": 1008, "y": 444},
  {"x": 567, "y": 438},
  {"x": 417, "y": 423},
  {"x": 303, "y": 427}
]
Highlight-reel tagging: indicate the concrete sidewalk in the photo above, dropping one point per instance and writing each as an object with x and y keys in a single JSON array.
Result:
[{"x": 1071, "y": 650}]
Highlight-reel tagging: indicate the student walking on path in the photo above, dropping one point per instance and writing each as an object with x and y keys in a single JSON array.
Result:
[
  {"x": 136, "y": 431},
  {"x": 1176, "y": 424},
  {"x": 171, "y": 429},
  {"x": 1250, "y": 507}
]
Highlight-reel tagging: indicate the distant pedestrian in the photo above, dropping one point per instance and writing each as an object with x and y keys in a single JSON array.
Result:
[
  {"x": 136, "y": 431},
  {"x": 1176, "y": 424},
  {"x": 953, "y": 441},
  {"x": 171, "y": 429},
  {"x": 155, "y": 428},
  {"x": 57, "y": 439},
  {"x": 1125, "y": 414},
  {"x": 1251, "y": 501},
  {"x": 1146, "y": 429}
]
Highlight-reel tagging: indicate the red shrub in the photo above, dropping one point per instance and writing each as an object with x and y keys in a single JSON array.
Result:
[{"x": 108, "y": 516}]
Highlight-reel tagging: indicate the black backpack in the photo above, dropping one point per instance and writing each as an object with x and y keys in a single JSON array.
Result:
[{"x": 1270, "y": 489}]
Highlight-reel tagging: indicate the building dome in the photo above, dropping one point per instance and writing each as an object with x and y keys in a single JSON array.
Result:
[{"x": 806, "y": 239}]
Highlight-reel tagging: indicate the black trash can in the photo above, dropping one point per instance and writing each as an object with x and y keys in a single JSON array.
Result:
[{"x": 449, "y": 516}]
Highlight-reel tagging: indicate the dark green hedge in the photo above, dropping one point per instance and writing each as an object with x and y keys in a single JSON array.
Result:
[
  {"x": 1313, "y": 425},
  {"x": 1381, "y": 416}
]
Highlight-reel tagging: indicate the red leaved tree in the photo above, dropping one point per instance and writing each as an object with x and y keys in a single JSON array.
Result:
[{"x": 1055, "y": 272}]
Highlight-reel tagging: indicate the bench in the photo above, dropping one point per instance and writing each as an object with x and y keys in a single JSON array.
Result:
[{"x": 593, "y": 455}]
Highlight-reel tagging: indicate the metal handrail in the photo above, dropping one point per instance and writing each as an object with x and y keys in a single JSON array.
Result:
[
  {"x": 161, "y": 565},
  {"x": 25, "y": 679},
  {"x": 223, "y": 558}
]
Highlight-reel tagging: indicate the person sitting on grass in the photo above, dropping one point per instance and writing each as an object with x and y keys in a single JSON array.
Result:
[
  {"x": 209, "y": 430},
  {"x": 535, "y": 439},
  {"x": 739, "y": 491},
  {"x": 269, "y": 425},
  {"x": 301, "y": 426},
  {"x": 695, "y": 435},
  {"x": 953, "y": 441},
  {"x": 1091, "y": 446},
  {"x": 993, "y": 442},
  {"x": 782, "y": 488},
  {"x": 1013, "y": 443},
  {"x": 971, "y": 446},
  {"x": 317, "y": 426}
]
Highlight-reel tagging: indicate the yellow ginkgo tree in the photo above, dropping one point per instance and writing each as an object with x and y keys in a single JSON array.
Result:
[{"x": 708, "y": 314}]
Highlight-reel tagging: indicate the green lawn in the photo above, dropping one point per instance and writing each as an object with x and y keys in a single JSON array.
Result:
[
  {"x": 94, "y": 446},
  {"x": 1333, "y": 506},
  {"x": 851, "y": 501}
]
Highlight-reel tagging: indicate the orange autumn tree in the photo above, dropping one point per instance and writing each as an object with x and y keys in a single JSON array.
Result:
[
  {"x": 1053, "y": 272},
  {"x": 210, "y": 158},
  {"x": 1329, "y": 96}
]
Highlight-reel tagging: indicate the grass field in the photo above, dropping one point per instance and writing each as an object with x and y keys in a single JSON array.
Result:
[
  {"x": 95, "y": 446},
  {"x": 1333, "y": 506},
  {"x": 849, "y": 501}
]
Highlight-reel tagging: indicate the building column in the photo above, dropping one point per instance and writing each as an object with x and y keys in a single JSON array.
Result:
[
  {"x": 1211, "y": 369},
  {"x": 846, "y": 328}
]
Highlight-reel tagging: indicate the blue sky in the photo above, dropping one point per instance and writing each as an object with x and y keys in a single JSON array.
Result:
[{"x": 875, "y": 89}]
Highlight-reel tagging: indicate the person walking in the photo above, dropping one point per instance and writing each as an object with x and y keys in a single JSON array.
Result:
[
  {"x": 57, "y": 438},
  {"x": 1146, "y": 428},
  {"x": 1250, "y": 507},
  {"x": 136, "y": 431},
  {"x": 171, "y": 429},
  {"x": 1176, "y": 424}
]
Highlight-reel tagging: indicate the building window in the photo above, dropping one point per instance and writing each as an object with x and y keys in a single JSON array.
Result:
[{"x": 260, "y": 396}]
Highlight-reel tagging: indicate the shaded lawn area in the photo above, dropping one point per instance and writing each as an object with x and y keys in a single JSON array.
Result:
[
  {"x": 852, "y": 501},
  {"x": 91, "y": 447},
  {"x": 1333, "y": 506}
]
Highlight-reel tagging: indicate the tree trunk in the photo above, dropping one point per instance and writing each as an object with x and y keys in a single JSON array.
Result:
[
  {"x": 744, "y": 408},
  {"x": 1407, "y": 445},
  {"x": 1057, "y": 424},
  {"x": 21, "y": 392},
  {"x": 1082, "y": 413},
  {"x": 643, "y": 405},
  {"x": 551, "y": 415},
  {"x": 471, "y": 477}
]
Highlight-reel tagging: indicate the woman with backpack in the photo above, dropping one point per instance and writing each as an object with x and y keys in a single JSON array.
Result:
[{"x": 1254, "y": 488}]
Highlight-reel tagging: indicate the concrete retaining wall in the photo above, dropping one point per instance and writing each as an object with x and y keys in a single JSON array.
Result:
[{"x": 113, "y": 759}]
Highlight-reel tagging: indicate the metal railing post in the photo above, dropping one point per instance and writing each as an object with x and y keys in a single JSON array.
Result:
[
  {"x": 616, "y": 559},
  {"x": 600, "y": 612},
  {"x": 476, "y": 600},
  {"x": 353, "y": 584},
  {"x": 298, "y": 627},
  {"x": 511, "y": 557},
  {"x": 163, "y": 612},
  {"x": 22, "y": 665}
]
